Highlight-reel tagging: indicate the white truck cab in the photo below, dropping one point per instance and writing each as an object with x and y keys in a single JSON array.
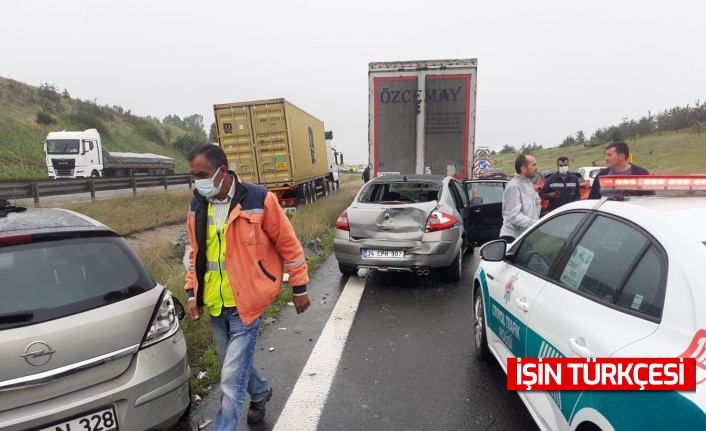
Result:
[{"x": 74, "y": 154}]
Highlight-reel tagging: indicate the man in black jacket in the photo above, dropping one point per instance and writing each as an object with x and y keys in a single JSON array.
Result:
[
  {"x": 616, "y": 160},
  {"x": 562, "y": 187},
  {"x": 366, "y": 174}
]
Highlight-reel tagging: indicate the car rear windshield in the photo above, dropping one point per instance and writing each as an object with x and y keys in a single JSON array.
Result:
[
  {"x": 47, "y": 280},
  {"x": 402, "y": 191}
]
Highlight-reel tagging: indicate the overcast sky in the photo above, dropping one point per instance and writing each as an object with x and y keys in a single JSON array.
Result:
[{"x": 546, "y": 69}]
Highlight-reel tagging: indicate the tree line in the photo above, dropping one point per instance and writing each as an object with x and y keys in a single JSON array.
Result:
[{"x": 669, "y": 120}]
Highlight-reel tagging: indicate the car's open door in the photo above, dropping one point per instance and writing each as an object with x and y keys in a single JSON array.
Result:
[{"x": 485, "y": 212}]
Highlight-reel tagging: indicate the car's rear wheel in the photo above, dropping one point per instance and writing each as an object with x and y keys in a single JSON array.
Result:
[
  {"x": 349, "y": 270},
  {"x": 480, "y": 338},
  {"x": 469, "y": 248},
  {"x": 455, "y": 270}
]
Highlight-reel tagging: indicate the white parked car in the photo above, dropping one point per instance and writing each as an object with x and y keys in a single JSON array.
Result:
[
  {"x": 608, "y": 279},
  {"x": 589, "y": 172}
]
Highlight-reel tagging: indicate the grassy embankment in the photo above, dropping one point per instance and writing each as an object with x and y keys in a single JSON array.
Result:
[
  {"x": 21, "y": 136},
  {"x": 681, "y": 152},
  {"x": 313, "y": 223}
]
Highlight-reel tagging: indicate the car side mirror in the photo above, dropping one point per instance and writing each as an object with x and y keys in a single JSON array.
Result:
[
  {"x": 493, "y": 251},
  {"x": 476, "y": 200}
]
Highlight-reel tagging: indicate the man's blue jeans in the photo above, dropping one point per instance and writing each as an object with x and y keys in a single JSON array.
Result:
[{"x": 235, "y": 344}]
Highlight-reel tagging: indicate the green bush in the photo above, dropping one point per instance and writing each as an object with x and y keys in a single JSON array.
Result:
[
  {"x": 49, "y": 92},
  {"x": 85, "y": 120},
  {"x": 152, "y": 133},
  {"x": 45, "y": 118},
  {"x": 186, "y": 142}
]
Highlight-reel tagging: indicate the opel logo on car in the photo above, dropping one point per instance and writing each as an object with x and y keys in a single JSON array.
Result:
[{"x": 38, "y": 353}]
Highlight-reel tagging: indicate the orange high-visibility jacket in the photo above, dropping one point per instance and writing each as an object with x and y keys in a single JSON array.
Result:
[{"x": 260, "y": 243}]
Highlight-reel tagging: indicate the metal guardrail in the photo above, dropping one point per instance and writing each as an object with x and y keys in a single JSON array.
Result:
[{"x": 38, "y": 189}]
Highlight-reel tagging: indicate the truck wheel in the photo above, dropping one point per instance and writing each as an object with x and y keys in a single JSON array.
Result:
[
  {"x": 95, "y": 174},
  {"x": 307, "y": 195},
  {"x": 119, "y": 173},
  {"x": 312, "y": 188},
  {"x": 326, "y": 187}
]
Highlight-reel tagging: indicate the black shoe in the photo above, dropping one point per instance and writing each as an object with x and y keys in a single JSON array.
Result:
[{"x": 256, "y": 412}]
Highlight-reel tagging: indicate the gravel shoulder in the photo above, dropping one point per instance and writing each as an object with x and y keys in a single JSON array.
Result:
[{"x": 143, "y": 240}]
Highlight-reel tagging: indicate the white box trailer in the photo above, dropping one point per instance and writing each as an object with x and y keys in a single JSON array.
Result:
[{"x": 422, "y": 117}]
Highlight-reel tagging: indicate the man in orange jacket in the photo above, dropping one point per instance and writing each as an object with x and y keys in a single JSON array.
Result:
[{"x": 241, "y": 241}]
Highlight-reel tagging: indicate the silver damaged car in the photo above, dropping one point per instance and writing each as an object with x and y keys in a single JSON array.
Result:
[{"x": 417, "y": 223}]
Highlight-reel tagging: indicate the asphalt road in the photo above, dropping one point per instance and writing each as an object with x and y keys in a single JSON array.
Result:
[{"x": 407, "y": 362}]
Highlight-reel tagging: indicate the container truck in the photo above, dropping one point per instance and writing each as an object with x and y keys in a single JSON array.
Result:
[
  {"x": 81, "y": 155},
  {"x": 275, "y": 144},
  {"x": 422, "y": 117}
]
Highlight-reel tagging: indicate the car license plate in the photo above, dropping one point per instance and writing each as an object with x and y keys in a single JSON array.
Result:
[
  {"x": 103, "y": 419},
  {"x": 387, "y": 254}
]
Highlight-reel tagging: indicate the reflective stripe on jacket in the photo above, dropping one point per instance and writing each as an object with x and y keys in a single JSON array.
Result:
[{"x": 260, "y": 242}]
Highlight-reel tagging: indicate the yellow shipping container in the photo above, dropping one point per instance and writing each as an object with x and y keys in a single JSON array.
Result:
[{"x": 273, "y": 143}]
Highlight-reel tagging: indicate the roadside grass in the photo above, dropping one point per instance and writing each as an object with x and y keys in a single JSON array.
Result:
[
  {"x": 129, "y": 215},
  {"x": 22, "y": 155}
]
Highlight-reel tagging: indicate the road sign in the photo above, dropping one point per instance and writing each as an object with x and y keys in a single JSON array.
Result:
[{"x": 482, "y": 165}]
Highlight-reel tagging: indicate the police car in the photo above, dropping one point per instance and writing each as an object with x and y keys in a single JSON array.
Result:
[{"x": 604, "y": 278}]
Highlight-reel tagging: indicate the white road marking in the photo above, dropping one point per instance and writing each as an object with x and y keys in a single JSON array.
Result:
[{"x": 305, "y": 404}]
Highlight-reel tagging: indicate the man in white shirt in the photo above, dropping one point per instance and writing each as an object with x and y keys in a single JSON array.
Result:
[{"x": 521, "y": 203}]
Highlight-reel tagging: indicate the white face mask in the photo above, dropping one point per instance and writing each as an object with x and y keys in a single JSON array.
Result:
[
  {"x": 206, "y": 188},
  {"x": 563, "y": 170}
]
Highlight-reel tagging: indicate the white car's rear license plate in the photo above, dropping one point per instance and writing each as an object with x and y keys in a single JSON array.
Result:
[
  {"x": 386, "y": 254},
  {"x": 103, "y": 419}
]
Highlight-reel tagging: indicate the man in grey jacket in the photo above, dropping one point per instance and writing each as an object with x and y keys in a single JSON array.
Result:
[{"x": 521, "y": 203}]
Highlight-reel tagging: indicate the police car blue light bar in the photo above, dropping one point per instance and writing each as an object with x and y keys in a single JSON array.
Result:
[{"x": 654, "y": 182}]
